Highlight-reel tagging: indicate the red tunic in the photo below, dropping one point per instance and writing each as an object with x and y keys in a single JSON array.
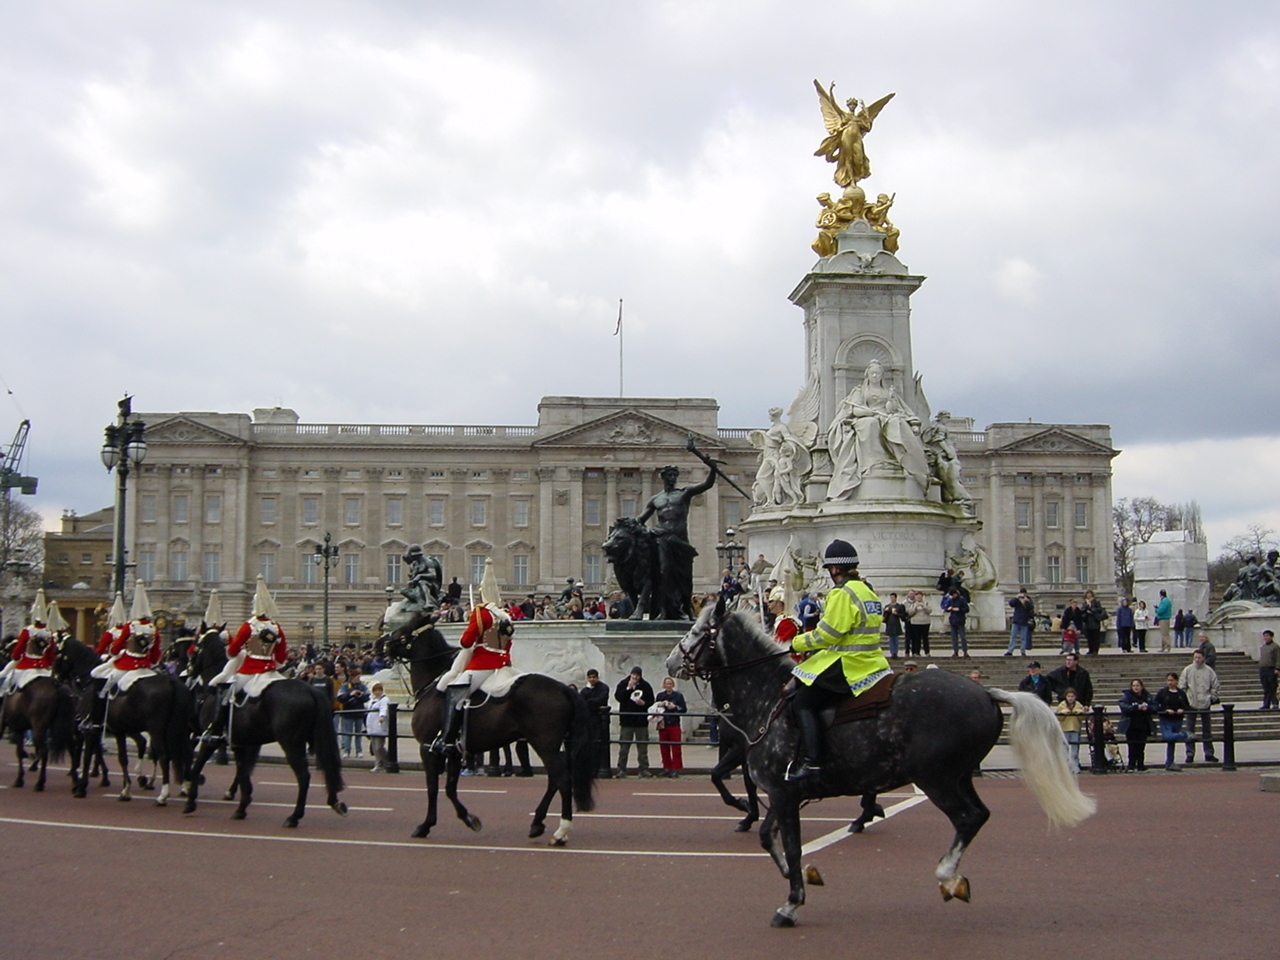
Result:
[
  {"x": 43, "y": 662},
  {"x": 254, "y": 664},
  {"x": 124, "y": 660},
  {"x": 484, "y": 658},
  {"x": 110, "y": 637}
]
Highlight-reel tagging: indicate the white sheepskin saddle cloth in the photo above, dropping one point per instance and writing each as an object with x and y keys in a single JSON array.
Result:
[
  {"x": 129, "y": 677},
  {"x": 258, "y": 682}
]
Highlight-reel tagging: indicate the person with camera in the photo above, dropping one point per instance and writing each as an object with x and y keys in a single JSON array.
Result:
[
  {"x": 634, "y": 696},
  {"x": 352, "y": 696}
]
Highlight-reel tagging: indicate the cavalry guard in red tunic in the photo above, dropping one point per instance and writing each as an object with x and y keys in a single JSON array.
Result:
[
  {"x": 117, "y": 627},
  {"x": 135, "y": 646},
  {"x": 486, "y": 647},
  {"x": 257, "y": 651},
  {"x": 34, "y": 653}
]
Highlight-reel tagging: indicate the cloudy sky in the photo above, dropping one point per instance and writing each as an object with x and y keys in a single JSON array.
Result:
[{"x": 426, "y": 212}]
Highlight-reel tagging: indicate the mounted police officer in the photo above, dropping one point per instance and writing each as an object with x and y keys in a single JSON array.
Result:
[{"x": 846, "y": 657}]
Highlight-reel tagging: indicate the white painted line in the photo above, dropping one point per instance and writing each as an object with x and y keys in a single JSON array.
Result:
[
  {"x": 361, "y": 786},
  {"x": 668, "y": 816},
  {"x": 424, "y": 845},
  {"x": 259, "y": 803},
  {"x": 835, "y": 836},
  {"x": 717, "y": 796}
]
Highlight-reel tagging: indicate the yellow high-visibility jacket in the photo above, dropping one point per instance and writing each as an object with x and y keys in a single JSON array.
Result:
[{"x": 849, "y": 633}]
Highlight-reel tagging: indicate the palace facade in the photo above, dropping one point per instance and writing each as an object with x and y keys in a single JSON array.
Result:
[{"x": 224, "y": 497}]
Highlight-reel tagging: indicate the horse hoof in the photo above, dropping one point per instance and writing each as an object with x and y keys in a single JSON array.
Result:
[
  {"x": 877, "y": 811},
  {"x": 39, "y": 788},
  {"x": 559, "y": 842},
  {"x": 744, "y": 826},
  {"x": 238, "y": 815},
  {"x": 160, "y": 802},
  {"x": 742, "y": 805},
  {"x": 422, "y": 831},
  {"x": 189, "y": 809},
  {"x": 124, "y": 798},
  {"x": 229, "y": 795},
  {"x": 857, "y": 826},
  {"x": 473, "y": 822},
  {"x": 290, "y": 822},
  {"x": 537, "y": 830},
  {"x": 813, "y": 877},
  {"x": 144, "y": 783},
  {"x": 780, "y": 919},
  {"x": 956, "y": 888},
  {"x": 339, "y": 808}
]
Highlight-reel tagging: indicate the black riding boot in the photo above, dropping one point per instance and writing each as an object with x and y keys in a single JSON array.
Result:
[
  {"x": 810, "y": 764},
  {"x": 453, "y": 697}
]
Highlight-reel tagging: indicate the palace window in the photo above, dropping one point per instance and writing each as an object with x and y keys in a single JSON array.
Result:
[
  {"x": 1082, "y": 569},
  {"x": 591, "y": 567},
  {"x": 477, "y": 567},
  {"x": 435, "y": 511},
  {"x": 213, "y": 508},
  {"x": 351, "y": 511},
  {"x": 1051, "y": 514},
  {"x": 1053, "y": 569},
  {"x": 146, "y": 565},
  {"x": 395, "y": 512},
  {"x": 310, "y": 568},
  {"x": 212, "y": 566},
  {"x": 593, "y": 512},
  {"x": 1024, "y": 570},
  {"x": 395, "y": 566},
  {"x": 1022, "y": 513},
  {"x": 311, "y": 510},
  {"x": 180, "y": 508},
  {"x": 478, "y": 513},
  {"x": 520, "y": 569},
  {"x": 1081, "y": 514},
  {"x": 351, "y": 568},
  {"x": 147, "y": 508},
  {"x": 267, "y": 509},
  {"x": 520, "y": 512},
  {"x": 267, "y": 566},
  {"x": 177, "y": 564}
]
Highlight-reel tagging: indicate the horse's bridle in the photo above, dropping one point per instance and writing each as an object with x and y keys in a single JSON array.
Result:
[{"x": 707, "y": 642}]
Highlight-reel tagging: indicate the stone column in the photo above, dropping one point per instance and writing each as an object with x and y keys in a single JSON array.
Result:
[
  {"x": 996, "y": 541},
  {"x": 1068, "y": 520},
  {"x": 458, "y": 519},
  {"x": 611, "y": 508},
  {"x": 573, "y": 540},
  {"x": 1037, "y": 525},
  {"x": 545, "y": 564}
]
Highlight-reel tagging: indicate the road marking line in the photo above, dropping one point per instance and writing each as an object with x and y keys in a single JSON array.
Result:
[
  {"x": 263, "y": 803},
  {"x": 672, "y": 816},
  {"x": 361, "y": 786},
  {"x": 835, "y": 836},
  {"x": 425, "y": 845}
]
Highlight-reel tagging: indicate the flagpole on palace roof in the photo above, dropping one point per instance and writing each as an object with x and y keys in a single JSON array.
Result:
[{"x": 617, "y": 332}]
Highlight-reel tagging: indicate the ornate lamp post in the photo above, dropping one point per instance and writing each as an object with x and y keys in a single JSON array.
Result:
[
  {"x": 730, "y": 551},
  {"x": 124, "y": 447},
  {"x": 328, "y": 557}
]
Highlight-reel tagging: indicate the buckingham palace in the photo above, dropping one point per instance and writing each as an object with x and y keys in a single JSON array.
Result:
[{"x": 224, "y": 497}]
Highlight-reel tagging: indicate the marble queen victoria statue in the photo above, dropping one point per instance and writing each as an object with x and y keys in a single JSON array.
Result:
[{"x": 873, "y": 425}]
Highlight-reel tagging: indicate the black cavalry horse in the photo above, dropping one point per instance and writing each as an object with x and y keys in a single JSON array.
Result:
[
  {"x": 538, "y": 709},
  {"x": 73, "y": 665},
  {"x": 47, "y": 709},
  {"x": 937, "y": 728},
  {"x": 289, "y": 712}
]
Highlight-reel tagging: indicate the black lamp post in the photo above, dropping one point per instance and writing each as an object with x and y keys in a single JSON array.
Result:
[
  {"x": 327, "y": 554},
  {"x": 124, "y": 447},
  {"x": 730, "y": 551}
]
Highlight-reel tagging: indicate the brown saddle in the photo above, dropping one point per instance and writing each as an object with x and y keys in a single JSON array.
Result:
[{"x": 862, "y": 707}]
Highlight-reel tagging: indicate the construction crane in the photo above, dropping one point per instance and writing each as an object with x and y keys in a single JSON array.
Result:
[{"x": 11, "y": 477}]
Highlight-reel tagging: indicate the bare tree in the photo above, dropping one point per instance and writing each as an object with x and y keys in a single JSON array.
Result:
[
  {"x": 22, "y": 539},
  {"x": 1254, "y": 542}
]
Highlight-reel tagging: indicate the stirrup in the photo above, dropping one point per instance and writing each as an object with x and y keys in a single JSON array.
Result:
[{"x": 803, "y": 770}]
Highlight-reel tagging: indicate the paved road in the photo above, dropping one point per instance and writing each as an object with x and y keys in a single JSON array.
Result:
[{"x": 656, "y": 871}]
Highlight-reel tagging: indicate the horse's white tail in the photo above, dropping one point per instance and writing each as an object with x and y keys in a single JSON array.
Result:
[{"x": 1041, "y": 749}]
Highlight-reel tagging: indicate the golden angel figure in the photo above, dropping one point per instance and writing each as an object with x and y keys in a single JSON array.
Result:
[{"x": 845, "y": 129}]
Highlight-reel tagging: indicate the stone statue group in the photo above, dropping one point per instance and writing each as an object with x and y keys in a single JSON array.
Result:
[{"x": 873, "y": 425}]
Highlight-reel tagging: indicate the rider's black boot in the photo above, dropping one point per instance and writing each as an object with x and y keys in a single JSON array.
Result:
[
  {"x": 453, "y": 697},
  {"x": 810, "y": 764}
]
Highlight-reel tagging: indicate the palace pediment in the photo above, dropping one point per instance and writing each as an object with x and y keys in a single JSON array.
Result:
[
  {"x": 1057, "y": 441},
  {"x": 627, "y": 428},
  {"x": 182, "y": 429}
]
